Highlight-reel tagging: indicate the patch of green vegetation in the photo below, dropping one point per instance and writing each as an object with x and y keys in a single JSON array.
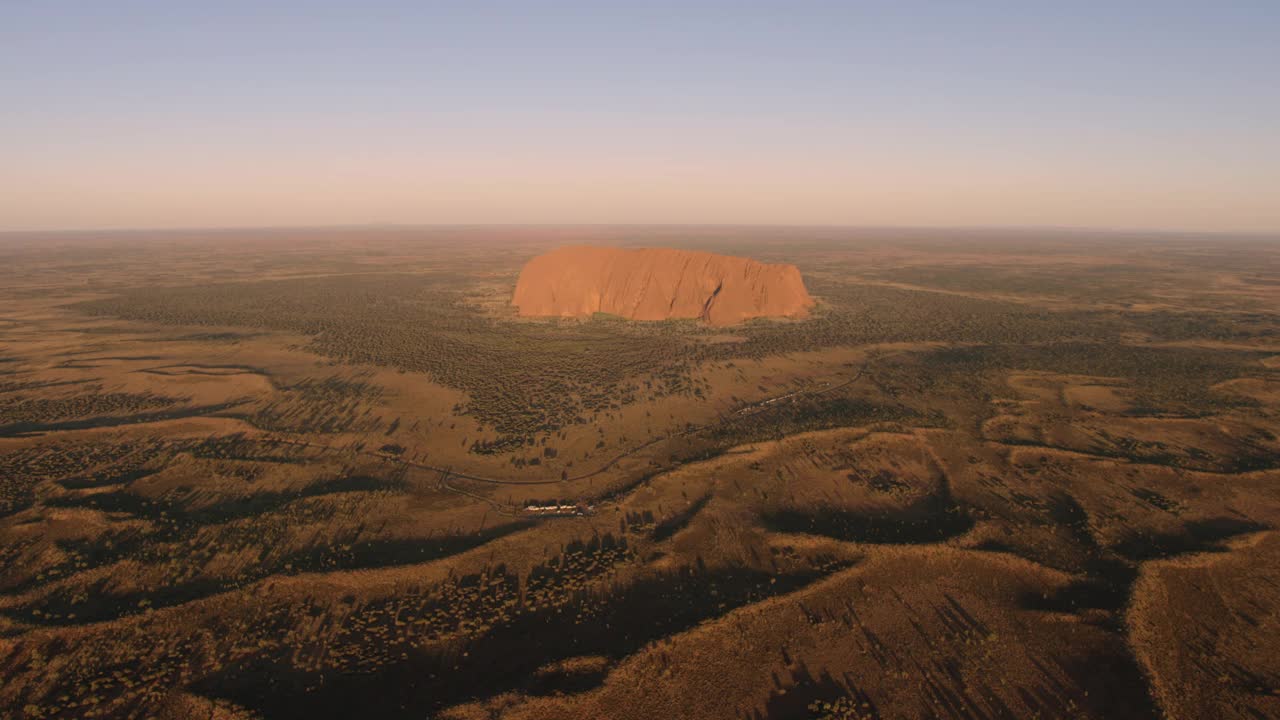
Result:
[
  {"x": 806, "y": 415},
  {"x": 529, "y": 379},
  {"x": 1167, "y": 379},
  {"x": 523, "y": 378}
]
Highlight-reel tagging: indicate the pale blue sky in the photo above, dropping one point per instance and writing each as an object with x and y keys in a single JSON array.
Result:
[{"x": 161, "y": 114}]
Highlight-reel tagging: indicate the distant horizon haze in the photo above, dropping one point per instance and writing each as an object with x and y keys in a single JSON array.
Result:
[
  {"x": 1132, "y": 117},
  {"x": 582, "y": 233}
]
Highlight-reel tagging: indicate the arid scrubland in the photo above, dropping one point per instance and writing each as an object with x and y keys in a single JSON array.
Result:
[{"x": 306, "y": 473}]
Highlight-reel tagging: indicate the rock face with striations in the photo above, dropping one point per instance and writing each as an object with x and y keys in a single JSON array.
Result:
[{"x": 657, "y": 284}]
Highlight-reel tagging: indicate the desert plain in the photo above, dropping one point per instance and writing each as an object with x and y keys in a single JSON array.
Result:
[{"x": 335, "y": 473}]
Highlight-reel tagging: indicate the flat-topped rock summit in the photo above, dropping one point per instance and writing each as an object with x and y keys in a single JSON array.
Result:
[{"x": 658, "y": 284}]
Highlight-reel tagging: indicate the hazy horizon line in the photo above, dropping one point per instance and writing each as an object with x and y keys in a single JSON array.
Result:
[{"x": 1083, "y": 229}]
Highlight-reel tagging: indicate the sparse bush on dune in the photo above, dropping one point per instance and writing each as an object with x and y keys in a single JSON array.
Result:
[{"x": 966, "y": 527}]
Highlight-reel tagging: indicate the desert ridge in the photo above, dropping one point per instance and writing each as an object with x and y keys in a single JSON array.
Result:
[{"x": 658, "y": 284}]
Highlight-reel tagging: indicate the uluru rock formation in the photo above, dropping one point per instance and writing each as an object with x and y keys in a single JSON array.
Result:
[{"x": 658, "y": 284}]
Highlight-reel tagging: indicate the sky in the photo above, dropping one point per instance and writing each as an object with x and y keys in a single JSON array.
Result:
[{"x": 1134, "y": 115}]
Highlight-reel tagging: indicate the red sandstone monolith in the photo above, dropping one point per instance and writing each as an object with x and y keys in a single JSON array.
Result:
[{"x": 658, "y": 284}]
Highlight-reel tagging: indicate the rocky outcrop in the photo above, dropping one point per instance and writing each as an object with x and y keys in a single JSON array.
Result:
[{"x": 658, "y": 284}]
